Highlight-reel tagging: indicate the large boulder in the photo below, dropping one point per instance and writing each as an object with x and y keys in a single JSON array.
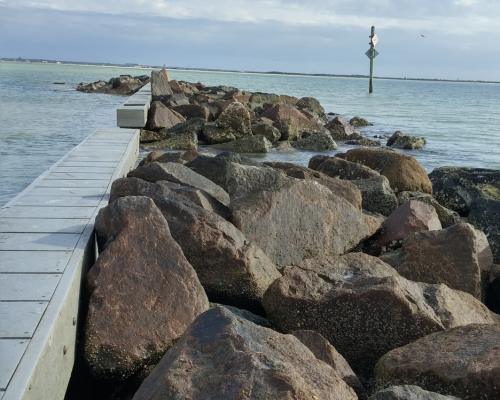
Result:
[
  {"x": 321, "y": 141},
  {"x": 178, "y": 173},
  {"x": 223, "y": 356},
  {"x": 261, "y": 101},
  {"x": 343, "y": 188},
  {"x": 457, "y": 188},
  {"x": 324, "y": 351},
  {"x": 464, "y": 362},
  {"x": 485, "y": 215},
  {"x": 265, "y": 127},
  {"x": 176, "y": 141},
  {"x": 247, "y": 144},
  {"x": 291, "y": 122},
  {"x": 160, "y": 116},
  {"x": 339, "y": 168},
  {"x": 313, "y": 107},
  {"x": 412, "y": 216},
  {"x": 364, "y": 307},
  {"x": 404, "y": 141},
  {"x": 458, "y": 256},
  {"x": 341, "y": 129},
  {"x": 359, "y": 122},
  {"x": 378, "y": 196},
  {"x": 232, "y": 269},
  {"x": 124, "y": 85},
  {"x": 446, "y": 216},
  {"x": 190, "y": 111},
  {"x": 408, "y": 392},
  {"x": 404, "y": 172},
  {"x": 300, "y": 219},
  {"x": 142, "y": 296},
  {"x": 236, "y": 119},
  {"x": 159, "y": 84}
]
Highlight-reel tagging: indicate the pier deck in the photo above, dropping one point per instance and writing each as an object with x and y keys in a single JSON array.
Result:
[{"x": 46, "y": 242}]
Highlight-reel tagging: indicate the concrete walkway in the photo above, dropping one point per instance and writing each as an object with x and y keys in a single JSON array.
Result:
[{"x": 46, "y": 241}]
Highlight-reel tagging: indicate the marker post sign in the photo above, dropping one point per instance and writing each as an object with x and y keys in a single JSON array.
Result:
[{"x": 371, "y": 54}]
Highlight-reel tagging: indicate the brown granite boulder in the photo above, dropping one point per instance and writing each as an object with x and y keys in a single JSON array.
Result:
[
  {"x": 458, "y": 256},
  {"x": 265, "y": 127},
  {"x": 324, "y": 351},
  {"x": 378, "y": 196},
  {"x": 247, "y": 144},
  {"x": 343, "y": 188},
  {"x": 189, "y": 111},
  {"x": 181, "y": 157},
  {"x": 364, "y": 307},
  {"x": 178, "y": 173},
  {"x": 160, "y": 116},
  {"x": 236, "y": 119},
  {"x": 142, "y": 296},
  {"x": 313, "y": 107},
  {"x": 404, "y": 141},
  {"x": 404, "y": 172},
  {"x": 223, "y": 356},
  {"x": 300, "y": 219},
  {"x": 464, "y": 362},
  {"x": 291, "y": 122},
  {"x": 340, "y": 168},
  {"x": 341, "y": 129},
  {"x": 320, "y": 141},
  {"x": 232, "y": 269},
  {"x": 412, "y": 216}
]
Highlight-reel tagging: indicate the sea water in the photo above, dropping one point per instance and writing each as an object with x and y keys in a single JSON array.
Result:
[{"x": 40, "y": 121}]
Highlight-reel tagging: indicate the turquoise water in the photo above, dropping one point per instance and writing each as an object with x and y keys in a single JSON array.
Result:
[{"x": 40, "y": 121}]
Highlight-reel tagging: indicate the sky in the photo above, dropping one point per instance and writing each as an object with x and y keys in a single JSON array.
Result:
[{"x": 453, "y": 39}]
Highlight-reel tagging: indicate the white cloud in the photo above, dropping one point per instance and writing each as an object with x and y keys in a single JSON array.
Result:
[{"x": 450, "y": 16}]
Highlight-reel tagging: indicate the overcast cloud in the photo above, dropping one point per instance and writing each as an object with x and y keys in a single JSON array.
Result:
[{"x": 460, "y": 36}]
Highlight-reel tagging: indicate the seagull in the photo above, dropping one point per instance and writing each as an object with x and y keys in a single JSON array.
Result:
[{"x": 421, "y": 35}]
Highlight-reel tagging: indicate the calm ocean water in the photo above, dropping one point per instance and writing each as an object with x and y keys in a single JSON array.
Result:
[{"x": 41, "y": 121}]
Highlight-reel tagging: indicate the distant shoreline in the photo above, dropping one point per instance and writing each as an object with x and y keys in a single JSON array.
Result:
[{"x": 319, "y": 75}]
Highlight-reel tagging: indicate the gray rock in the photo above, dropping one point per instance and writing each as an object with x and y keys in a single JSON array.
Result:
[
  {"x": 485, "y": 215},
  {"x": 404, "y": 141},
  {"x": 359, "y": 122},
  {"x": 248, "y": 144},
  {"x": 266, "y": 129},
  {"x": 178, "y": 173},
  {"x": 160, "y": 116},
  {"x": 316, "y": 142},
  {"x": 159, "y": 84},
  {"x": 378, "y": 197},
  {"x": 408, "y": 392},
  {"x": 341, "y": 129},
  {"x": 338, "y": 168}
]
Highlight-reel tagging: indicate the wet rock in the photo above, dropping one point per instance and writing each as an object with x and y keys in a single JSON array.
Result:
[
  {"x": 340, "y": 129},
  {"x": 142, "y": 296},
  {"x": 343, "y": 188},
  {"x": 313, "y": 107},
  {"x": 124, "y": 85},
  {"x": 316, "y": 142},
  {"x": 262, "y": 101},
  {"x": 189, "y": 111},
  {"x": 160, "y": 116},
  {"x": 457, "y": 188},
  {"x": 463, "y": 362},
  {"x": 446, "y": 216},
  {"x": 181, "y": 157},
  {"x": 364, "y": 141},
  {"x": 458, "y": 256},
  {"x": 178, "y": 173},
  {"x": 176, "y": 141},
  {"x": 159, "y": 84},
  {"x": 359, "y": 122},
  {"x": 220, "y": 351},
  {"x": 378, "y": 197},
  {"x": 265, "y": 128},
  {"x": 248, "y": 144},
  {"x": 324, "y": 351},
  {"x": 404, "y": 141},
  {"x": 232, "y": 269},
  {"x": 291, "y": 122},
  {"x": 409, "y": 392},
  {"x": 412, "y": 216},
  {"x": 364, "y": 306},
  {"x": 404, "y": 172},
  {"x": 150, "y": 136},
  {"x": 298, "y": 220},
  {"x": 340, "y": 168},
  {"x": 485, "y": 215}
]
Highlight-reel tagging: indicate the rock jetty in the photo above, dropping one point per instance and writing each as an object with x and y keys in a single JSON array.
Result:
[{"x": 357, "y": 277}]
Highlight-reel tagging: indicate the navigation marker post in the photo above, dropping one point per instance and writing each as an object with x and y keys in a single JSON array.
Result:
[{"x": 371, "y": 54}]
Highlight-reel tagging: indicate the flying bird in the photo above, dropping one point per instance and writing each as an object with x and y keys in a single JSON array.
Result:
[{"x": 421, "y": 35}]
